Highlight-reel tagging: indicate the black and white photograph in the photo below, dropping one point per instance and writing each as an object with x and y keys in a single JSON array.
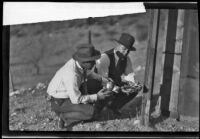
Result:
[{"x": 101, "y": 67}]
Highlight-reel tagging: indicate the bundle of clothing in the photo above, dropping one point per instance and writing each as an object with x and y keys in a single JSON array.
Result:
[{"x": 129, "y": 85}]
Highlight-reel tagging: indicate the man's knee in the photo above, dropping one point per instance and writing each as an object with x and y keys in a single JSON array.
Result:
[{"x": 87, "y": 109}]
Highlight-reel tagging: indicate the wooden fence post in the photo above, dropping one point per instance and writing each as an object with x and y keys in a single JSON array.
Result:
[
  {"x": 188, "y": 98},
  {"x": 11, "y": 85},
  {"x": 173, "y": 106},
  {"x": 5, "y": 73},
  {"x": 90, "y": 22},
  {"x": 150, "y": 66},
  {"x": 165, "y": 90}
]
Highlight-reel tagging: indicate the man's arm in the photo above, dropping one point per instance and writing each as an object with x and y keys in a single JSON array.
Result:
[
  {"x": 129, "y": 68},
  {"x": 102, "y": 65},
  {"x": 72, "y": 83}
]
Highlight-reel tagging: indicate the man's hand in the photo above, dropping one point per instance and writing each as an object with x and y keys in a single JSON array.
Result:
[
  {"x": 103, "y": 94},
  {"x": 106, "y": 80}
]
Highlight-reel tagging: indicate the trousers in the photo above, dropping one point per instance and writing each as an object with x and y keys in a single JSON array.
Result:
[
  {"x": 72, "y": 112},
  {"x": 116, "y": 102},
  {"x": 80, "y": 112}
]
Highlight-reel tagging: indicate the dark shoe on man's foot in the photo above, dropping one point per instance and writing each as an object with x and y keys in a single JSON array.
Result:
[{"x": 61, "y": 124}]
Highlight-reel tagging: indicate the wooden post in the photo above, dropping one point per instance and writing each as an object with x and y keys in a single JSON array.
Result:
[
  {"x": 173, "y": 106},
  {"x": 11, "y": 85},
  {"x": 90, "y": 22},
  {"x": 150, "y": 66},
  {"x": 89, "y": 37},
  {"x": 5, "y": 63},
  {"x": 165, "y": 89},
  {"x": 158, "y": 107},
  {"x": 188, "y": 102}
]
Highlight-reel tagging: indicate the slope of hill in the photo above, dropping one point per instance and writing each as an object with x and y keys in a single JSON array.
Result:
[{"x": 38, "y": 50}]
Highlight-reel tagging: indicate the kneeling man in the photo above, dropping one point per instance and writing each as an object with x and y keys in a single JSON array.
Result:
[{"x": 69, "y": 102}]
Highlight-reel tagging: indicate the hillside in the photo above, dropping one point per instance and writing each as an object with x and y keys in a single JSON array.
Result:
[{"x": 38, "y": 50}]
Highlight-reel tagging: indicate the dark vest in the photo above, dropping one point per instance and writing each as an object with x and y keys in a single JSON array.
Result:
[
  {"x": 93, "y": 86},
  {"x": 115, "y": 72}
]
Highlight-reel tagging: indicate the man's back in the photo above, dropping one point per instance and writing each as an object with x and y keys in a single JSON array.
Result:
[{"x": 65, "y": 70}]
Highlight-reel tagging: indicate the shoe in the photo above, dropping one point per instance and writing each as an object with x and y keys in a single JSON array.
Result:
[
  {"x": 65, "y": 124},
  {"x": 61, "y": 124}
]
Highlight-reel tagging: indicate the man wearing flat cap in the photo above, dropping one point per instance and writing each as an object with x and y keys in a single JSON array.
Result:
[
  {"x": 116, "y": 64},
  {"x": 70, "y": 98}
]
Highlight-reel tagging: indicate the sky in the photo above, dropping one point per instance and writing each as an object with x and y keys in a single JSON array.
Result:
[{"x": 32, "y": 12}]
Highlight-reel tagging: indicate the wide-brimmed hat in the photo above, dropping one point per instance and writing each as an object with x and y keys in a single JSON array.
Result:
[
  {"x": 127, "y": 40},
  {"x": 86, "y": 52}
]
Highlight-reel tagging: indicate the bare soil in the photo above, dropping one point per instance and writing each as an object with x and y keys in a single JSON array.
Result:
[{"x": 30, "y": 110}]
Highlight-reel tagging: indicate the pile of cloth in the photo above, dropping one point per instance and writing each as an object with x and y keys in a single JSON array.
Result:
[
  {"x": 130, "y": 84},
  {"x": 131, "y": 87}
]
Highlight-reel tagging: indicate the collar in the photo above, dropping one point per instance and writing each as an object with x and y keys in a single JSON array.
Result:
[
  {"x": 116, "y": 57},
  {"x": 81, "y": 69}
]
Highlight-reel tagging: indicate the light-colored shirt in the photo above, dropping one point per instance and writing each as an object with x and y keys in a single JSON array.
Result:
[
  {"x": 103, "y": 64},
  {"x": 66, "y": 83}
]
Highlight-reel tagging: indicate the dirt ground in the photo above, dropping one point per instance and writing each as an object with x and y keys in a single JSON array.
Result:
[{"x": 29, "y": 110}]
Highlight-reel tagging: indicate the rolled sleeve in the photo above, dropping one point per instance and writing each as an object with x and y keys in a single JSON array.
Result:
[
  {"x": 87, "y": 99},
  {"x": 129, "y": 68},
  {"x": 72, "y": 84},
  {"x": 102, "y": 65},
  {"x": 95, "y": 76}
]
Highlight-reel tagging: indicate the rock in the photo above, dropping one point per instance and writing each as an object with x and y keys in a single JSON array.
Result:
[
  {"x": 22, "y": 90},
  {"x": 15, "y": 93},
  {"x": 20, "y": 124},
  {"x": 40, "y": 86},
  {"x": 98, "y": 125},
  {"x": 33, "y": 91},
  {"x": 13, "y": 114},
  {"x": 21, "y": 129},
  {"x": 12, "y": 94},
  {"x": 47, "y": 120},
  {"x": 136, "y": 122}
]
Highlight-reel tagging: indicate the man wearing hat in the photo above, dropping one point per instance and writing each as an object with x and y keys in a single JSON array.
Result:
[
  {"x": 68, "y": 90},
  {"x": 115, "y": 64}
]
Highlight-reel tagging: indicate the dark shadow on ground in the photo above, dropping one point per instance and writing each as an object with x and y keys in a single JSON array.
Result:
[
  {"x": 132, "y": 110},
  {"x": 156, "y": 116}
]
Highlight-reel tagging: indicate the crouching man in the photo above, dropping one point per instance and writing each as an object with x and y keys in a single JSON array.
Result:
[
  {"x": 69, "y": 102},
  {"x": 116, "y": 64}
]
